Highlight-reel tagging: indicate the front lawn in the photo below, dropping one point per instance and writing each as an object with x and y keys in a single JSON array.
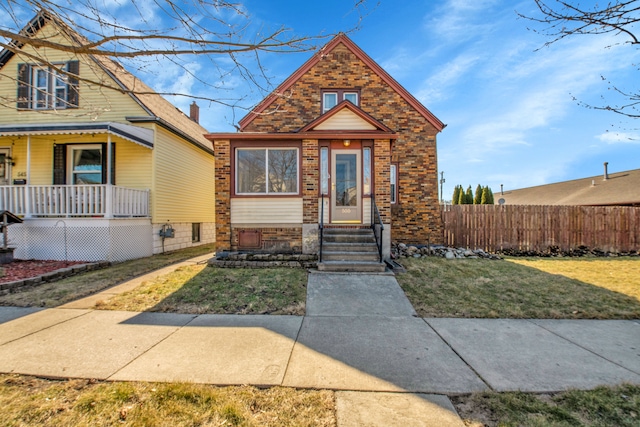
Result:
[
  {"x": 560, "y": 288},
  {"x": 199, "y": 289}
]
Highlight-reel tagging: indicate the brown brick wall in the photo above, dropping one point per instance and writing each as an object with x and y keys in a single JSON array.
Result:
[
  {"x": 283, "y": 240},
  {"x": 222, "y": 150},
  {"x": 310, "y": 180},
  {"x": 415, "y": 218}
]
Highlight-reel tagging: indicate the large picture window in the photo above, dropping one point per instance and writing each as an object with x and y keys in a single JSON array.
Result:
[{"x": 267, "y": 171}]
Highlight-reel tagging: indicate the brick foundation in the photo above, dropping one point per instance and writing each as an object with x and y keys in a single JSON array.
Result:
[{"x": 274, "y": 240}]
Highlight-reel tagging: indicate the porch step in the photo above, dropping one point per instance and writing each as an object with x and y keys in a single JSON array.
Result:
[
  {"x": 349, "y": 256},
  {"x": 352, "y": 266},
  {"x": 350, "y": 249},
  {"x": 348, "y": 235}
]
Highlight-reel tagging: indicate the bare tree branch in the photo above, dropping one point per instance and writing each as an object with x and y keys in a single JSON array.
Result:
[
  {"x": 145, "y": 33},
  {"x": 561, "y": 19}
]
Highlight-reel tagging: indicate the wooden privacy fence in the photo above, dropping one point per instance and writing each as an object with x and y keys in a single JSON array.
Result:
[{"x": 536, "y": 228}]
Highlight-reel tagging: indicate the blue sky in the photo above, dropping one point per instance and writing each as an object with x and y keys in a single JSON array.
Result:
[{"x": 509, "y": 106}]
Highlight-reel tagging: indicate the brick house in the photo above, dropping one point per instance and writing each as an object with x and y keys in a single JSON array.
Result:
[{"x": 336, "y": 140}]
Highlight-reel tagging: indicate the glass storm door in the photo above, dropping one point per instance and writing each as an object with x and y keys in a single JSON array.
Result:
[{"x": 346, "y": 189}]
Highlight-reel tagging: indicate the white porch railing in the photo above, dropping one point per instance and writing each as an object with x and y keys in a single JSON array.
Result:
[{"x": 106, "y": 201}]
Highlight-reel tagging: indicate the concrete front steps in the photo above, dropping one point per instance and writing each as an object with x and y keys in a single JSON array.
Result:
[{"x": 350, "y": 249}]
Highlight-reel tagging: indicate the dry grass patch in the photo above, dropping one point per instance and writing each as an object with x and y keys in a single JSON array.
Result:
[
  {"x": 620, "y": 275},
  {"x": 82, "y": 285},
  {"x": 503, "y": 289},
  {"x": 200, "y": 289},
  {"x": 604, "y": 406},
  {"x": 27, "y": 401}
]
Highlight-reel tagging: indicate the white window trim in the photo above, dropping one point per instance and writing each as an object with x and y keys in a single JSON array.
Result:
[
  {"x": 266, "y": 166},
  {"x": 352, "y": 93},
  {"x": 70, "y": 149},
  {"x": 393, "y": 183},
  {"x": 324, "y": 101}
]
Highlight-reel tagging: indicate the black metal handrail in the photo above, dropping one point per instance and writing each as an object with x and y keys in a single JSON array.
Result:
[
  {"x": 377, "y": 225},
  {"x": 321, "y": 227}
]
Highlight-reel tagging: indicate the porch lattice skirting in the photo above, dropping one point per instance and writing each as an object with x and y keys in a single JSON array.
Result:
[{"x": 85, "y": 239}]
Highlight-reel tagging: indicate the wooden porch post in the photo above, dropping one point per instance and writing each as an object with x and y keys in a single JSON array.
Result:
[
  {"x": 27, "y": 193},
  {"x": 109, "y": 190}
]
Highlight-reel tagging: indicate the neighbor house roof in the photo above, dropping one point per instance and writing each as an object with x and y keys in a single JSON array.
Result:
[
  {"x": 360, "y": 54},
  {"x": 620, "y": 188},
  {"x": 159, "y": 110}
]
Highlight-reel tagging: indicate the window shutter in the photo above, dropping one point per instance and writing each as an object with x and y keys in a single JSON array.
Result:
[
  {"x": 24, "y": 74},
  {"x": 73, "y": 98},
  {"x": 113, "y": 163},
  {"x": 59, "y": 164}
]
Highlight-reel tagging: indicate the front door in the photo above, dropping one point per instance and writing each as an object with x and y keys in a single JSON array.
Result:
[
  {"x": 346, "y": 189},
  {"x": 5, "y": 166}
]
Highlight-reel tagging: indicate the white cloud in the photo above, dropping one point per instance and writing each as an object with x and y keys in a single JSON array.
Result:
[{"x": 619, "y": 138}]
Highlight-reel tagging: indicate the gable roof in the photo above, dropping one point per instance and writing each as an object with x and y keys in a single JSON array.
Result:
[
  {"x": 361, "y": 55},
  {"x": 159, "y": 110},
  {"x": 621, "y": 188},
  {"x": 345, "y": 111}
]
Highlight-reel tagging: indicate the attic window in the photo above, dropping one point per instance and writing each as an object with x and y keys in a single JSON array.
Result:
[
  {"x": 43, "y": 87},
  {"x": 332, "y": 97}
]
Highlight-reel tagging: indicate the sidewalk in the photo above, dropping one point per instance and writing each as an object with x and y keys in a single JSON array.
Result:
[{"x": 360, "y": 337}]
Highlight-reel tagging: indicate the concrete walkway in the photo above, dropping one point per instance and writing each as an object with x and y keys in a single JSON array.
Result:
[{"x": 360, "y": 337}]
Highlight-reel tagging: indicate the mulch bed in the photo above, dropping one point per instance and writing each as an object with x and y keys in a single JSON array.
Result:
[{"x": 24, "y": 269}]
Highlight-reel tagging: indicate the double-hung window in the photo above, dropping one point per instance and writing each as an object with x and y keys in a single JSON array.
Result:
[
  {"x": 267, "y": 171},
  {"x": 44, "y": 87},
  {"x": 332, "y": 97}
]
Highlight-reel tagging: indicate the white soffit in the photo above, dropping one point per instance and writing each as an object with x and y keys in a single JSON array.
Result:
[{"x": 345, "y": 120}]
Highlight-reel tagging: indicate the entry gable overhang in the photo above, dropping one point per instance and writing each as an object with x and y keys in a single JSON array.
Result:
[
  {"x": 361, "y": 55},
  {"x": 345, "y": 117}
]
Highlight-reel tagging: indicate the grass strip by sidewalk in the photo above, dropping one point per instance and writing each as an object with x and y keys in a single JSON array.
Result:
[
  {"x": 84, "y": 284},
  {"x": 478, "y": 288},
  {"x": 29, "y": 401},
  {"x": 603, "y": 406},
  {"x": 200, "y": 289}
]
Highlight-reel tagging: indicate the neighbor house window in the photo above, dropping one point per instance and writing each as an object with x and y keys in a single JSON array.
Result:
[
  {"x": 267, "y": 171},
  {"x": 85, "y": 164},
  {"x": 393, "y": 179},
  {"x": 195, "y": 232},
  {"x": 42, "y": 87},
  {"x": 332, "y": 97}
]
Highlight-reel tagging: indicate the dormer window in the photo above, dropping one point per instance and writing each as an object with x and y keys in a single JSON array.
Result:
[
  {"x": 332, "y": 97},
  {"x": 42, "y": 87}
]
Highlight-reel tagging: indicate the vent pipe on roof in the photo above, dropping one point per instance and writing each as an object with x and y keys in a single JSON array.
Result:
[
  {"x": 606, "y": 173},
  {"x": 194, "y": 112}
]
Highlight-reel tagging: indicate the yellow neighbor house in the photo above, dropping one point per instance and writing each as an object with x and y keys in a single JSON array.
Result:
[{"x": 96, "y": 173}]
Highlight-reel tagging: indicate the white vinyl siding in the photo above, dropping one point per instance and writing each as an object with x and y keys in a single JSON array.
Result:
[
  {"x": 345, "y": 120},
  {"x": 99, "y": 104},
  {"x": 183, "y": 189},
  {"x": 281, "y": 210}
]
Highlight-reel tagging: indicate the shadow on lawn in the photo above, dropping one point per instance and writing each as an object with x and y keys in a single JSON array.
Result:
[{"x": 503, "y": 289}]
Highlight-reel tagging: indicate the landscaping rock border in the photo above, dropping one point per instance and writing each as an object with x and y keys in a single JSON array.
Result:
[
  {"x": 10, "y": 287},
  {"x": 401, "y": 250},
  {"x": 244, "y": 260}
]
